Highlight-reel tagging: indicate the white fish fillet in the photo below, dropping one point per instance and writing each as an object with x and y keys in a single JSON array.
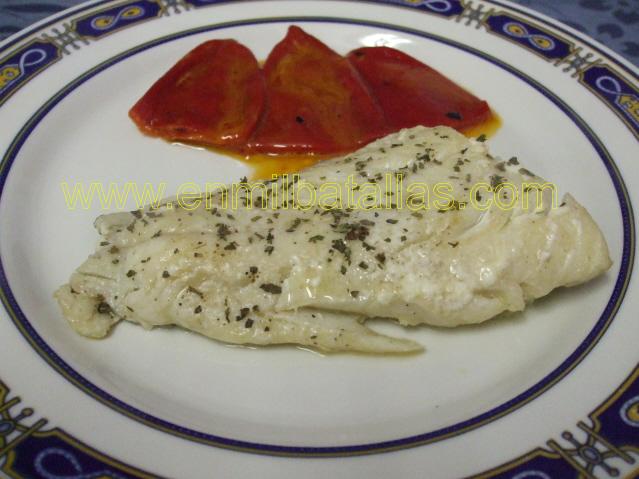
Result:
[{"x": 312, "y": 277}]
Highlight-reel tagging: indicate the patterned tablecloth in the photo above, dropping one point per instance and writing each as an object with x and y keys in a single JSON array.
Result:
[{"x": 615, "y": 23}]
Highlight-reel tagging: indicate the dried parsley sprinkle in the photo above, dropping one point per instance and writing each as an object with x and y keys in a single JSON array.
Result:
[
  {"x": 367, "y": 246},
  {"x": 130, "y": 273},
  {"x": 391, "y": 221},
  {"x": 363, "y": 265},
  {"x": 223, "y": 230},
  {"x": 165, "y": 274},
  {"x": 137, "y": 213},
  {"x": 481, "y": 138},
  {"x": 197, "y": 310},
  {"x": 294, "y": 225},
  {"x": 253, "y": 269},
  {"x": 354, "y": 294},
  {"x": 513, "y": 161},
  {"x": 340, "y": 246},
  {"x": 271, "y": 288},
  {"x": 248, "y": 323},
  {"x": 114, "y": 250},
  {"x": 191, "y": 289},
  {"x": 496, "y": 180},
  {"x": 453, "y": 243},
  {"x": 104, "y": 308},
  {"x": 354, "y": 231},
  {"x": 316, "y": 238}
]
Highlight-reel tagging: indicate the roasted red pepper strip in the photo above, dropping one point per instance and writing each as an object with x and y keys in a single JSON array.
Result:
[
  {"x": 411, "y": 93},
  {"x": 316, "y": 101},
  {"x": 213, "y": 96}
]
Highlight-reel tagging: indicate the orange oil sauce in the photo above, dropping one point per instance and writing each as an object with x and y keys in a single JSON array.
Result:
[
  {"x": 265, "y": 166},
  {"x": 488, "y": 128}
]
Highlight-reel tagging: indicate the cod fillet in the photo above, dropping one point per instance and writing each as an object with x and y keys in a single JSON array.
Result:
[{"x": 389, "y": 231}]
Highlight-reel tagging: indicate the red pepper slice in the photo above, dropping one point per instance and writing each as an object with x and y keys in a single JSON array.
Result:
[
  {"x": 316, "y": 101},
  {"x": 411, "y": 93},
  {"x": 213, "y": 96}
]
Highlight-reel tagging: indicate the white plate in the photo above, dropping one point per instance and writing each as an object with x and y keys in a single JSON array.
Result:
[{"x": 533, "y": 395}]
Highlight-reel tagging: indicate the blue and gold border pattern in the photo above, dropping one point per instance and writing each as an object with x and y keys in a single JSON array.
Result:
[
  {"x": 110, "y": 20},
  {"x": 603, "y": 448},
  {"x": 24, "y": 63},
  {"x": 616, "y": 91},
  {"x": 445, "y": 8},
  {"x": 536, "y": 39},
  {"x": 27, "y": 449}
]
